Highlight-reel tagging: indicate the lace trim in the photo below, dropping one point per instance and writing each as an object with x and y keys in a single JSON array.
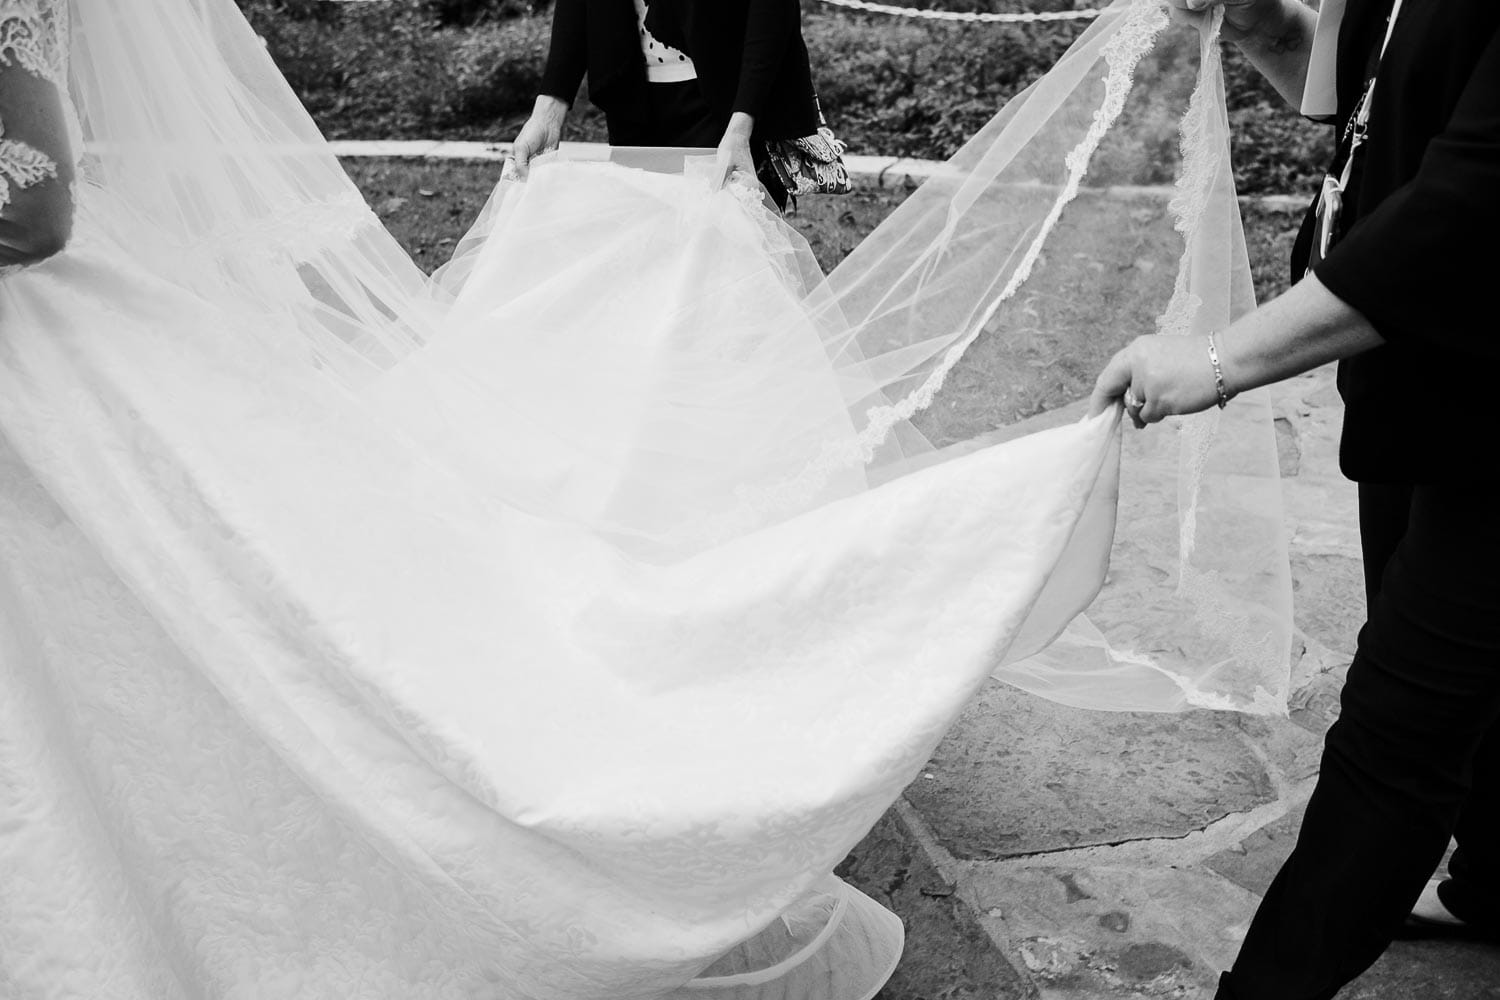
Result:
[
  {"x": 34, "y": 33},
  {"x": 1138, "y": 32},
  {"x": 1223, "y": 617},
  {"x": 21, "y": 165},
  {"x": 1200, "y": 165},
  {"x": 1122, "y": 53}
]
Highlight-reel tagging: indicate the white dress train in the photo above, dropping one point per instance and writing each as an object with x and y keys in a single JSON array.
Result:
[{"x": 361, "y": 636}]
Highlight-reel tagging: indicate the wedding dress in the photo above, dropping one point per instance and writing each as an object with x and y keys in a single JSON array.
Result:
[{"x": 552, "y": 627}]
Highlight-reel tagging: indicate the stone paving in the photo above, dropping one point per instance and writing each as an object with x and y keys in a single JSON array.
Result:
[{"x": 1053, "y": 854}]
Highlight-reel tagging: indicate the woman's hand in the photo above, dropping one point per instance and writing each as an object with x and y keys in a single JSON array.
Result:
[
  {"x": 1165, "y": 374},
  {"x": 1276, "y": 35},
  {"x": 541, "y": 134},
  {"x": 734, "y": 150},
  {"x": 1157, "y": 376},
  {"x": 1242, "y": 18}
]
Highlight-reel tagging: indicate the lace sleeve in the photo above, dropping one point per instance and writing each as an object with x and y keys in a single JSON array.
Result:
[{"x": 36, "y": 168}]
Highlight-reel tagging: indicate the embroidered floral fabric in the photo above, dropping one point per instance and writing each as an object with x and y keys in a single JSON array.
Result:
[
  {"x": 33, "y": 40},
  {"x": 21, "y": 166}
]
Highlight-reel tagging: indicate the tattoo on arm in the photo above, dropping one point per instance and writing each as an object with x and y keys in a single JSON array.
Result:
[{"x": 1290, "y": 39}]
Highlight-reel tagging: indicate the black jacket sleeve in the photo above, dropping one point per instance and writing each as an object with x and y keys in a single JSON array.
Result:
[
  {"x": 770, "y": 27},
  {"x": 567, "y": 54},
  {"x": 1422, "y": 266}
]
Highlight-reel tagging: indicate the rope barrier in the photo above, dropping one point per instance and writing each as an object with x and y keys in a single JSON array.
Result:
[
  {"x": 924, "y": 13},
  {"x": 928, "y": 14}
]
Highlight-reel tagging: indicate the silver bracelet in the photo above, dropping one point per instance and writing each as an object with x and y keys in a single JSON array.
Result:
[{"x": 1213, "y": 357}]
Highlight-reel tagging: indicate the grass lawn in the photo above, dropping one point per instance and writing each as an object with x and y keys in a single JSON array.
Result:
[
  {"x": 890, "y": 86},
  {"x": 428, "y": 205}
]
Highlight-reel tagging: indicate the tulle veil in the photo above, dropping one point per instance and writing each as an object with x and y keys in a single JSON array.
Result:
[
  {"x": 820, "y": 409},
  {"x": 963, "y": 266}
]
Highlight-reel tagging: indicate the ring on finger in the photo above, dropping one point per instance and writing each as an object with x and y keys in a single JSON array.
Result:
[{"x": 1133, "y": 402}]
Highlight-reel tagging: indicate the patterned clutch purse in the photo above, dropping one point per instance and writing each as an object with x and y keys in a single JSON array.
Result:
[{"x": 810, "y": 165}]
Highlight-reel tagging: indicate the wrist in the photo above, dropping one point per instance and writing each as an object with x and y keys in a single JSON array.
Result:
[
  {"x": 1277, "y": 29},
  {"x": 741, "y": 125},
  {"x": 1222, "y": 391},
  {"x": 550, "y": 107}
]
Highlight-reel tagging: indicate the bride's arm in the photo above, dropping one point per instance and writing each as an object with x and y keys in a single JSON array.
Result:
[
  {"x": 1276, "y": 35},
  {"x": 36, "y": 167}
]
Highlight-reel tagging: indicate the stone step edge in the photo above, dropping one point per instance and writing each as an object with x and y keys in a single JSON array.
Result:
[
  {"x": 884, "y": 170},
  {"x": 949, "y": 950}
]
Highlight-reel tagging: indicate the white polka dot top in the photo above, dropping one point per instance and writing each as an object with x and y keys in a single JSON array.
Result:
[{"x": 664, "y": 64}]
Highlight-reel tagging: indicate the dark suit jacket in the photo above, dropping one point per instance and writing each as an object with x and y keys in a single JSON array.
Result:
[
  {"x": 1420, "y": 260},
  {"x": 749, "y": 55}
]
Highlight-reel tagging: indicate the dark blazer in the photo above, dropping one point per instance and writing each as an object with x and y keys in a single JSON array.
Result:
[
  {"x": 1421, "y": 259},
  {"x": 749, "y": 55}
]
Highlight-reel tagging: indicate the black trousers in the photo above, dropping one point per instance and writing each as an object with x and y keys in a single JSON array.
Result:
[
  {"x": 679, "y": 116},
  {"x": 1413, "y": 759}
]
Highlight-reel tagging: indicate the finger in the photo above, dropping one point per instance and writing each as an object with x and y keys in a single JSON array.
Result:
[
  {"x": 1135, "y": 406},
  {"x": 722, "y": 167},
  {"x": 1099, "y": 401},
  {"x": 1111, "y": 384},
  {"x": 521, "y": 156},
  {"x": 1187, "y": 12},
  {"x": 1150, "y": 412}
]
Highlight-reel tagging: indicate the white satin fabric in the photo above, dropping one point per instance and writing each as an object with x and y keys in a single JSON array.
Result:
[{"x": 291, "y": 708}]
